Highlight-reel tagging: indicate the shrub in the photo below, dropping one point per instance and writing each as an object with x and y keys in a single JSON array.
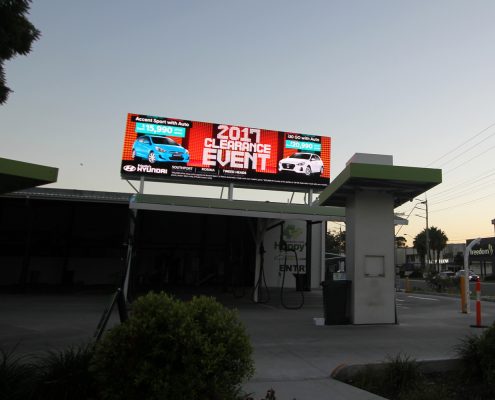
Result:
[
  {"x": 441, "y": 283},
  {"x": 169, "y": 349},
  {"x": 478, "y": 358},
  {"x": 469, "y": 352},
  {"x": 487, "y": 353},
  {"x": 17, "y": 376},
  {"x": 416, "y": 274},
  {"x": 398, "y": 378},
  {"x": 401, "y": 375},
  {"x": 65, "y": 374}
]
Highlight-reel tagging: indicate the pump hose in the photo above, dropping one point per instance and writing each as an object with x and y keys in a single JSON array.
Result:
[
  {"x": 297, "y": 307},
  {"x": 261, "y": 279}
]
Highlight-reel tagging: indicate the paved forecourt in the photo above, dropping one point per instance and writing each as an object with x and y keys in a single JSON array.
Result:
[{"x": 292, "y": 355}]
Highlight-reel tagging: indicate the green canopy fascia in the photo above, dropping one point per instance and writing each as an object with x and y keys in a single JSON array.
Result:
[
  {"x": 405, "y": 183},
  {"x": 18, "y": 175}
]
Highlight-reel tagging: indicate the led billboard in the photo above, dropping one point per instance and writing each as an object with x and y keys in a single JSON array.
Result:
[{"x": 171, "y": 149}]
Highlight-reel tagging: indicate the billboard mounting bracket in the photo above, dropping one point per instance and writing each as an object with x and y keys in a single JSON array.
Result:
[{"x": 134, "y": 187}]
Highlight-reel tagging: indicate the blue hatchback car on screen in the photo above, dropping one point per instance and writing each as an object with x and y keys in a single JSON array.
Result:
[{"x": 159, "y": 149}]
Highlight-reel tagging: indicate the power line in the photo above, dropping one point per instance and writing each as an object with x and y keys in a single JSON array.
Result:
[
  {"x": 463, "y": 204},
  {"x": 471, "y": 159},
  {"x": 462, "y": 144},
  {"x": 461, "y": 193},
  {"x": 470, "y": 186},
  {"x": 468, "y": 149},
  {"x": 408, "y": 215},
  {"x": 464, "y": 184}
]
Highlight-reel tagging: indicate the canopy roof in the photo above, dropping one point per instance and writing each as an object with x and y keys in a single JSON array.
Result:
[
  {"x": 405, "y": 183},
  {"x": 244, "y": 208},
  {"x": 17, "y": 175}
]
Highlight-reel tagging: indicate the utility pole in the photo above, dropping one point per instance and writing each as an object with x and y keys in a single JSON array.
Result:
[
  {"x": 428, "y": 256},
  {"x": 427, "y": 233}
]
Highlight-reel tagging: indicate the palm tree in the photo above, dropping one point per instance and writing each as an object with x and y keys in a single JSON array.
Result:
[
  {"x": 438, "y": 242},
  {"x": 419, "y": 244}
]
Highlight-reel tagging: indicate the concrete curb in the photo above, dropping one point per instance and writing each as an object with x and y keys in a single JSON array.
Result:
[{"x": 346, "y": 372}]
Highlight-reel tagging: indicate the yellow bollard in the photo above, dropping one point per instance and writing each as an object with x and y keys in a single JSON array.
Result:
[{"x": 463, "y": 296}]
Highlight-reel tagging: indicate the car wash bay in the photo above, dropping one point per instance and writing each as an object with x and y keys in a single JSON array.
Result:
[
  {"x": 184, "y": 242},
  {"x": 178, "y": 250},
  {"x": 69, "y": 240},
  {"x": 201, "y": 240}
]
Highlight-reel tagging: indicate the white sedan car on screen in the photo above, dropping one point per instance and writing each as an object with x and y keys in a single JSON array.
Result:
[{"x": 302, "y": 163}]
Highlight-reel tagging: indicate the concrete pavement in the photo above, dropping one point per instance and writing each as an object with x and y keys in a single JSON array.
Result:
[
  {"x": 292, "y": 355},
  {"x": 290, "y": 351}
]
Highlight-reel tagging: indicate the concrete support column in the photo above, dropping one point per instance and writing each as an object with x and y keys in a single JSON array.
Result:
[{"x": 370, "y": 256}]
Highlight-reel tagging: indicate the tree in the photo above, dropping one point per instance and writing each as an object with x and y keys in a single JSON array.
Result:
[
  {"x": 437, "y": 242},
  {"x": 16, "y": 36},
  {"x": 400, "y": 241},
  {"x": 335, "y": 243},
  {"x": 419, "y": 244}
]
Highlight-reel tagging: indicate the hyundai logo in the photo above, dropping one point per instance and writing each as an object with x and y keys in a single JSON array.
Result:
[{"x": 129, "y": 168}]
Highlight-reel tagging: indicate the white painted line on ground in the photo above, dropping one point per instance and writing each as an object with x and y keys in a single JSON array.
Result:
[
  {"x": 422, "y": 298},
  {"x": 399, "y": 300}
]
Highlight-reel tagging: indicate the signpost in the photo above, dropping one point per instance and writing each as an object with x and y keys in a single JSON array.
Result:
[{"x": 465, "y": 286}]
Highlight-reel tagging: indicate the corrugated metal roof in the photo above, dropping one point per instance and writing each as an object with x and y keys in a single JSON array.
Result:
[
  {"x": 72, "y": 195},
  {"x": 199, "y": 205}
]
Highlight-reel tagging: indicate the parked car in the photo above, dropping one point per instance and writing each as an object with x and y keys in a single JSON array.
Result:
[
  {"x": 159, "y": 149},
  {"x": 446, "y": 274},
  {"x": 302, "y": 163},
  {"x": 472, "y": 276},
  {"x": 441, "y": 281}
]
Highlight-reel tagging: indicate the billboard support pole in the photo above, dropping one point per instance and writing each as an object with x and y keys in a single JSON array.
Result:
[
  {"x": 141, "y": 185},
  {"x": 130, "y": 252},
  {"x": 310, "y": 197},
  {"x": 231, "y": 191},
  {"x": 309, "y": 237}
]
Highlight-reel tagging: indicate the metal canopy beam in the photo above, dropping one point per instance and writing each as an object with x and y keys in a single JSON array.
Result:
[{"x": 242, "y": 208}]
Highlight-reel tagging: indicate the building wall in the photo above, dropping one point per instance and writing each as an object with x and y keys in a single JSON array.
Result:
[
  {"x": 61, "y": 243},
  {"x": 293, "y": 261},
  {"x": 47, "y": 243}
]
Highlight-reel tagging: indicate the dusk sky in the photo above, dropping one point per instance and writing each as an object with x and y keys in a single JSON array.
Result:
[{"x": 411, "y": 79}]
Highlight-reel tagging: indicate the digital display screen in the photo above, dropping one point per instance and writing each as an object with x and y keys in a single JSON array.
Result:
[{"x": 171, "y": 149}]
